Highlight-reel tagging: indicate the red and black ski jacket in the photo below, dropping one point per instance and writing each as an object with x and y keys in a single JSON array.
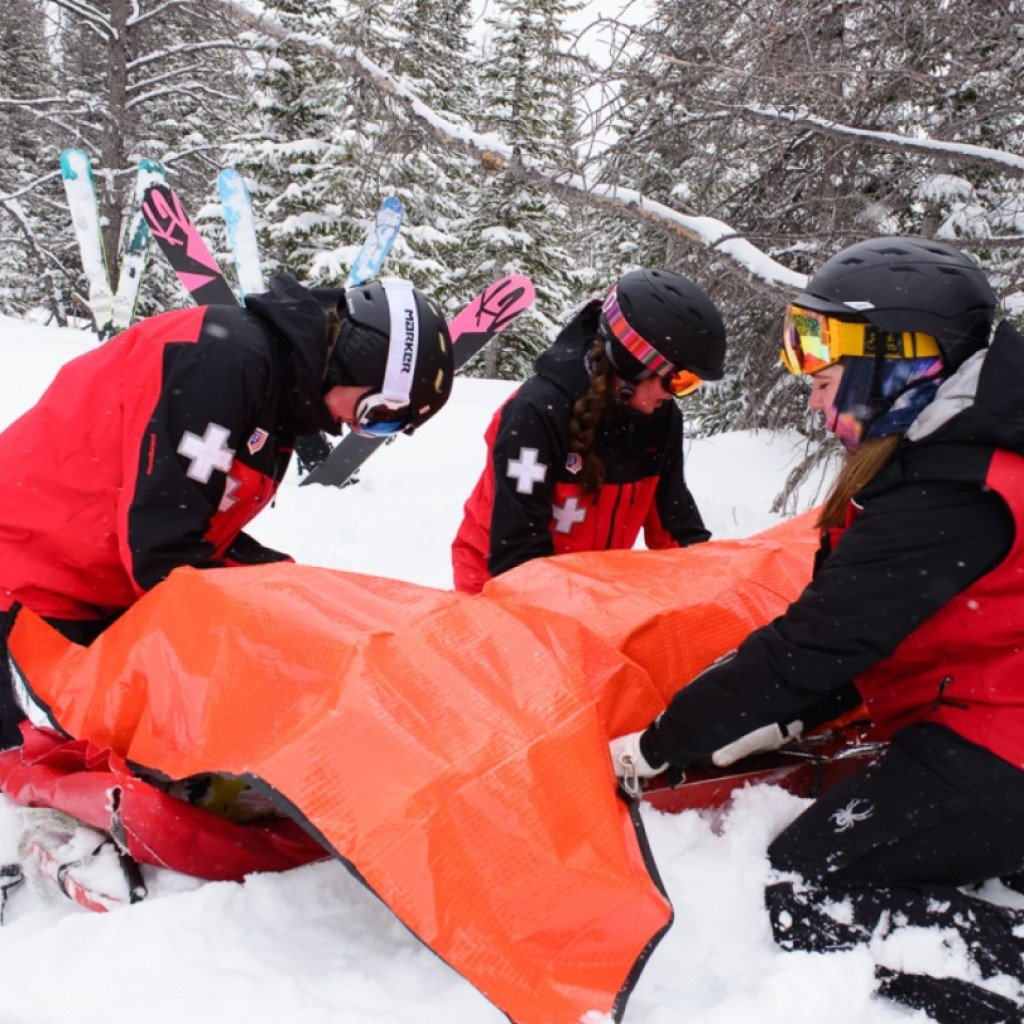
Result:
[
  {"x": 154, "y": 450},
  {"x": 919, "y": 601},
  {"x": 528, "y": 503}
]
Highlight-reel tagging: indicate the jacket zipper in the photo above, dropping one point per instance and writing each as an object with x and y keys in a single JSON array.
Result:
[{"x": 615, "y": 511}]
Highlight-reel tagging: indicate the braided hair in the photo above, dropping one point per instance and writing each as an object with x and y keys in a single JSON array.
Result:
[{"x": 588, "y": 414}]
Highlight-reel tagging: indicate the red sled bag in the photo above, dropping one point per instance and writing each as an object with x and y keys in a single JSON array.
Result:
[{"x": 97, "y": 787}]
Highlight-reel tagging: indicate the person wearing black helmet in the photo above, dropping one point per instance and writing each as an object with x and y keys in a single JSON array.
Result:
[
  {"x": 590, "y": 449},
  {"x": 155, "y": 450},
  {"x": 918, "y": 600}
]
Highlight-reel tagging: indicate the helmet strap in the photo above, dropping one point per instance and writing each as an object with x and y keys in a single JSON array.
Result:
[{"x": 332, "y": 332}]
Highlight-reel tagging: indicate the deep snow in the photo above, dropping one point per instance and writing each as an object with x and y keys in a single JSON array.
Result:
[{"x": 312, "y": 945}]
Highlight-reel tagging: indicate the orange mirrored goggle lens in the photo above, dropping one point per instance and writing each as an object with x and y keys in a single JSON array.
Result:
[
  {"x": 805, "y": 341},
  {"x": 682, "y": 382}
]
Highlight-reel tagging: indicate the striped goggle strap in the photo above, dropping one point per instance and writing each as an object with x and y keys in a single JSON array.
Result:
[{"x": 636, "y": 345}]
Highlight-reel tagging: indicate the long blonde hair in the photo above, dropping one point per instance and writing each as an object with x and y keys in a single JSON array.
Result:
[{"x": 857, "y": 471}]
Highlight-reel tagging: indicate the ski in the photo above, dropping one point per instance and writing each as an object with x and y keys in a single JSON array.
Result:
[
  {"x": 241, "y": 227},
  {"x": 86, "y": 865},
  {"x": 135, "y": 250},
  {"x": 380, "y": 237},
  {"x": 471, "y": 329},
  {"x": 80, "y": 188},
  {"x": 185, "y": 250}
]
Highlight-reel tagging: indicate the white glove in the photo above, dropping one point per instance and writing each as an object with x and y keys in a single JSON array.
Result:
[
  {"x": 630, "y": 764},
  {"x": 760, "y": 741}
]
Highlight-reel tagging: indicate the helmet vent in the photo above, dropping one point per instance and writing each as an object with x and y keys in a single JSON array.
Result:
[
  {"x": 954, "y": 271},
  {"x": 893, "y": 251},
  {"x": 852, "y": 260}
]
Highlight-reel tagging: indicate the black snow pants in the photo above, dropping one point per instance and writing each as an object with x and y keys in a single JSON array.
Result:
[{"x": 892, "y": 846}]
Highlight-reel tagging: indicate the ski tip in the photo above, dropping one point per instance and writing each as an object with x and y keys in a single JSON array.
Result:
[{"x": 73, "y": 162}]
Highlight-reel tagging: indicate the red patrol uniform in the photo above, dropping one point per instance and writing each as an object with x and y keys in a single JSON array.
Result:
[
  {"x": 154, "y": 450},
  {"x": 528, "y": 502}
]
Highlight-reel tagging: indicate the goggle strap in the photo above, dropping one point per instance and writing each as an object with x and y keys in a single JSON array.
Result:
[
  {"x": 403, "y": 344},
  {"x": 635, "y": 344}
]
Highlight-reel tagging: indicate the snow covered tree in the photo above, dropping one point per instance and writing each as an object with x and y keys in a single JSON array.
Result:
[
  {"x": 436, "y": 182},
  {"x": 138, "y": 78},
  {"x": 704, "y": 129},
  {"x": 30, "y": 208},
  {"x": 516, "y": 227}
]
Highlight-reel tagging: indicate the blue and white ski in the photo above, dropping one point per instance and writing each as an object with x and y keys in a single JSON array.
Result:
[
  {"x": 380, "y": 237},
  {"x": 76, "y": 170},
  {"x": 135, "y": 248},
  {"x": 241, "y": 225}
]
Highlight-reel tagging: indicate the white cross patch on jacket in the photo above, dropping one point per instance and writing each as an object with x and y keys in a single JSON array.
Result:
[
  {"x": 206, "y": 453},
  {"x": 526, "y": 470},
  {"x": 568, "y": 515}
]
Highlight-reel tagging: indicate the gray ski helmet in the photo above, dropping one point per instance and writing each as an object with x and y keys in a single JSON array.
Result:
[
  {"x": 675, "y": 317},
  {"x": 908, "y": 284},
  {"x": 394, "y": 339}
]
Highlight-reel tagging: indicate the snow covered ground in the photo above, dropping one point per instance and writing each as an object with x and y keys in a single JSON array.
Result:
[{"x": 312, "y": 945}]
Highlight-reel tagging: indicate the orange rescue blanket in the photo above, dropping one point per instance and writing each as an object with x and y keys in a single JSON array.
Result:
[{"x": 451, "y": 750}]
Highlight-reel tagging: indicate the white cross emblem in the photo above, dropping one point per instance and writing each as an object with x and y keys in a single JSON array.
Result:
[
  {"x": 207, "y": 453},
  {"x": 568, "y": 515},
  {"x": 526, "y": 470}
]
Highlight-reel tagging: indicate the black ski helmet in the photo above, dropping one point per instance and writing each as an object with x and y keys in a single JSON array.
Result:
[
  {"x": 673, "y": 315},
  {"x": 908, "y": 284},
  {"x": 394, "y": 339}
]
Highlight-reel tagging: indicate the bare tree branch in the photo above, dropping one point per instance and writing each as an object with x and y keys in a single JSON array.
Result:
[
  {"x": 497, "y": 154},
  {"x": 171, "y": 51},
  {"x": 955, "y": 150}
]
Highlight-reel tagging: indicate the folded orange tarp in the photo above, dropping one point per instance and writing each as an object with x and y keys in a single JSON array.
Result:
[
  {"x": 672, "y": 612},
  {"x": 451, "y": 749}
]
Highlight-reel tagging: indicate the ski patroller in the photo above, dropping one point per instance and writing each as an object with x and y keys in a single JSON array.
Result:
[
  {"x": 80, "y": 188},
  {"x": 480, "y": 321},
  {"x": 241, "y": 228},
  {"x": 200, "y": 275},
  {"x": 380, "y": 236}
]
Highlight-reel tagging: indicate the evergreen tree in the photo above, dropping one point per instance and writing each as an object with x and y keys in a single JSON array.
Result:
[
  {"x": 28, "y": 219},
  {"x": 517, "y": 227}
]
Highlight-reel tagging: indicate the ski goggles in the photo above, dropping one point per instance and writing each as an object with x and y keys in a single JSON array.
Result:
[
  {"x": 812, "y": 340},
  {"x": 374, "y": 417}
]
